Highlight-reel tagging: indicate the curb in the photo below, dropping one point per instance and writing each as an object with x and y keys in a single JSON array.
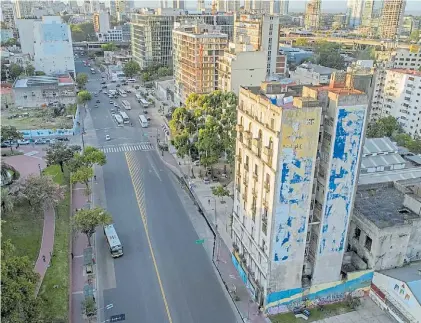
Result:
[{"x": 70, "y": 256}]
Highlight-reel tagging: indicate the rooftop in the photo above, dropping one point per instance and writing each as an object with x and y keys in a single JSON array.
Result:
[
  {"x": 43, "y": 80},
  {"x": 408, "y": 72},
  {"x": 379, "y": 145},
  {"x": 317, "y": 68},
  {"x": 389, "y": 176},
  {"x": 409, "y": 274},
  {"x": 381, "y": 160},
  {"x": 383, "y": 205},
  {"x": 337, "y": 90}
]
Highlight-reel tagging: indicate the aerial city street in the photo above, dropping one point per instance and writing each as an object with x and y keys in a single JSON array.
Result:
[{"x": 219, "y": 161}]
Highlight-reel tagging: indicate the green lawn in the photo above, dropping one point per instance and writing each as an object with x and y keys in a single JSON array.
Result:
[
  {"x": 55, "y": 288},
  {"x": 328, "y": 311},
  {"x": 24, "y": 229}
]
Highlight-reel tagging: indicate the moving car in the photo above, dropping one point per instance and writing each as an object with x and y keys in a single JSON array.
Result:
[
  {"x": 107, "y": 137},
  {"x": 96, "y": 105},
  {"x": 41, "y": 141},
  {"x": 24, "y": 142},
  {"x": 98, "y": 101},
  {"x": 111, "y": 102},
  {"x": 96, "y": 94},
  {"x": 103, "y": 82},
  {"x": 118, "y": 85}
]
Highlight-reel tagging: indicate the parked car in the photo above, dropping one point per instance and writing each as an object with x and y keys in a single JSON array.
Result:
[
  {"x": 111, "y": 102},
  {"x": 107, "y": 137},
  {"x": 145, "y": 111},
  {"x": 118, "y": 85},
  {"x": 103, "y": 82},
  {"x": 104, "y": 86},
  {"x": 96, "y": 106},
  {"x": 6, "y": 143},
  {"x": 62, "y": 139},
  {"x": 98, "y": 101},
  {"x": 24, "y": 142},
  {"x": 96, "y": 94}
]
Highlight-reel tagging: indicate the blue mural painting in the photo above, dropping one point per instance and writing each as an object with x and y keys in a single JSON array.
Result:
[
  {"x": 292, "y": 207},
  {"x": 342, "y": 178},
  {"x": 243, "y": 276}
]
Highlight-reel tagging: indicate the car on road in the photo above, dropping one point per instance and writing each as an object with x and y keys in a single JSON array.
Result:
[
  {"x": 115, "y": 105},
  {"x": 103, "y": 82},
  {"x": 6, "y": 143},
  {"x": 145, "y": 111},
  {"x": 128, "y": 91},
  {"x": 148, "y": 118},
  {"x": 62, "y": 139},
  {"x": 96, "y": 105},
  {"x": 98, "y": 101},
  {"x": 113, "y": 81},
  {"x": 111, "y": 102},
  {"x": 96, "y": 94},
  {"x": 107, "y": 137},
  {"x": 24, "y": 142},
  {"x": 118, "y": 85},
  {"x": 40, "y": 141}
]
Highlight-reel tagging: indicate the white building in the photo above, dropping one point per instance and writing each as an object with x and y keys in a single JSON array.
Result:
[
  {"x": 354, "y": 13},
  {"x": 7, "y": 14},
  {"x": 238, "y": 67},
  {"x": 112, "y": 35},
  {"x": 407, "y": 59},
  {"x": 26, "y": 35},
  {"x": 262, "y": 33},
  {"x": 53, "y": 46},
  {"x": 44, "y": 91},
  {"x": 398, "y": 94},
  {"x": 23, "y": 8},
  {"x": 312, "y": 74},
  {"x": 228, "y": 5},
  {"x": 101, "y": 22}
]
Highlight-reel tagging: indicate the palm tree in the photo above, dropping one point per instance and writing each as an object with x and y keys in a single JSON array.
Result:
[{"x": 7, "y": 201}]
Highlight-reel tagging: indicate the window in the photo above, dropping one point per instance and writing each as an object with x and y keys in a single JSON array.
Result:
[
  {"x": 357, "y": 233},
  {"x": 368, "y": 243}
]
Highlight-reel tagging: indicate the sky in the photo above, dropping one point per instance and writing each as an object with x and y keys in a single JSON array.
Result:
[{"x": 329, "y": 6}]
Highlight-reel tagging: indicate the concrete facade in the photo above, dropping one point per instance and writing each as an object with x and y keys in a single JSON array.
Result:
[
  {"x": 313, "y": 74},
  {"x": 196, "y": 50},
  {"x": 53, "y": 46},
  {"x": 44, "y": 91},
  {"x": 247, "y": 68},
  {"x": 26, "y": 35}
]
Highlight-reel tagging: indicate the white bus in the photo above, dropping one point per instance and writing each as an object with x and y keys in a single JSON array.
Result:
[
  {"x": 138, "y": 97},
  {"x": 92, "y": 71},
  {"x": 144, "y": 103},
  {"x": 122, "y": 93},
  {"x": 125, "y": 117},
  {"x": 118, "y": 118},
  {"x": 126, "y": 104},
  {"x": 143, "y": 121},
  {"x": 116, "y": 249}
]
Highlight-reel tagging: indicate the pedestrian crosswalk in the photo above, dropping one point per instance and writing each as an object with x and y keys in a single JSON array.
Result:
[{"x": 129, "y": 147}]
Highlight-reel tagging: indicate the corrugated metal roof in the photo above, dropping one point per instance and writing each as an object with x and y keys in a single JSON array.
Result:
[
  {"x": 387, "y": 176},
  {"x": 381, "y": 160},
  {"x": 379, "y": 145},
  {"x": 416, "y": 159}
]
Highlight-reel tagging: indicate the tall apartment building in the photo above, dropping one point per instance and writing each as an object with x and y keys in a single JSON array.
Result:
[
  {"x": 296, "y": 172},
  {"x": 101, "y": 22},
  {"x": 313, "y": 15},
  {"x": 7, "y": 14},
  {"x": 262, "y": 33},
  {"x": 240, "y": 66},
  {"x": 391, "y": 18},
  {"x": 179, "y": 4},
  {"x": 151, "y": 38},
  {"x": 23, "y": 8},
  {"x": 196, "y": 50},
  {"x": 400, "y": 97},
  {"x": 354, "y": 13},
  {"x": 53, "y": 50},
  {"x": 227, "y": 5}
]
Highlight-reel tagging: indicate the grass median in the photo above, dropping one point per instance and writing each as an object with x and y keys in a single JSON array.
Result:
[{"x": 54, "y": 290}]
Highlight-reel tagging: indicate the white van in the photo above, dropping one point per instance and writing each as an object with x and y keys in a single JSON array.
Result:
[{"x": 131, "y": 80}]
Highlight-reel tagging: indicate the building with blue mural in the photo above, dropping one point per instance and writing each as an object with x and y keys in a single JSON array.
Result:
[{"x": 296, "y": 179}]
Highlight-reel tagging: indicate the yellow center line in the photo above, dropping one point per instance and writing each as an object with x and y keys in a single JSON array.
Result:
[{"x": 135, "y": 173}]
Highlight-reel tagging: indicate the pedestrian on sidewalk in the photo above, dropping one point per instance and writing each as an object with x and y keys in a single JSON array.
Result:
[
  {"x": 95, "y": 178},
  {"x": 43, "y": 258},
  {"x": 72, "y": 255}
]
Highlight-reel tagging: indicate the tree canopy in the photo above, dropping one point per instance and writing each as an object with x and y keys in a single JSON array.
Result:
[
  {"x": 18, "y": 284},
  {"x": 206, "y": 125},
  {"x": 110, "y": 47},
  {"x": 131, "y": 68},
  {"x": 81, "y": 79},
  {"x": 83, "y": 32},
  {"x": 15, "y": 70},
  {"x": 328, "y": 54},
  {"x": 10, "y": 133},
  {"x": 84, "y": 96},
  {"x": 86, "y": 220},
  {"x": 220, "y": 191},
  {"x": 60, "y": 153}
]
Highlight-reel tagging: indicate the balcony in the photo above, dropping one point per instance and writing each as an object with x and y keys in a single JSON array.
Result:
[
  {"x": 238, "y": 171},
  {"x": 266, "y": 186},
  {"x": 246, "y": 167},
  {"x": 239, "y": 128},
  {"x": 244, "y": 197},
  {"x": 267, "y": 151},
  {"x": 255, "y": 177},
  {"x": 265, "y": 203},
  {"x": 254, "y": 192},
  {"x": 265, "y": 226},
  {"x": 245, "y": 181}
]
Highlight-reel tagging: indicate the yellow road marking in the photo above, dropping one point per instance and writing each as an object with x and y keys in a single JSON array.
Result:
[{"x": 136, "y": 173}]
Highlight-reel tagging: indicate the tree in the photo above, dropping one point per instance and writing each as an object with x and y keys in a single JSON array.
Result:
[
  {"x": 146, "y": 77},
  {"x": 414, "y": 146},
  {"x": 84, "y": 96},
  {"x": 367, "y": 54},
  {"x": 29, "y": 70},
  {"x": 8, "y": 173},
  {"x": 11, "y": 42},
  {"x": 15, "y": 70},
  {"x": 39, "y": 73},
  {"x": 10, "y": 133},
  {"x": 164, "y": 71},
  {"x": 131, "y": 68},
  {"x": 7, "y": 200},
  {"x": 220, "y": 191},
  {"x": 328, "y": 54},
  {"x": 60, "y": 153},
  {"x": 86, "y": 220},
  {"x": 384, "y": 127},
  {"x": 301, "y": 42},
  {"x": 18, "y": 285},
  {"x": 42, "y": 192},
  {"x": 83, "y": 175},
  {"x": 81, "y": 79},
  {"x": 110, "y": 47},
  {"x": 93, "y": 156},
  {"x": 209, "y": 144},
  {"x": 182, "y": 143},
  {"x": 415, "y": 36},
  {"x": 390, "y": 125},
  {"x": 402, "y": 139}
]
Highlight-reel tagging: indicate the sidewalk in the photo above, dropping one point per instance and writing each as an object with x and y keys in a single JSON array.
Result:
[{"x": 202, "y": 193}]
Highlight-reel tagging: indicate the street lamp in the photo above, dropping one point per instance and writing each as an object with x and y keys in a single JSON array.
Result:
[
  {"x": 40, "y": 171},
  {"x": 216, "y": 240}
]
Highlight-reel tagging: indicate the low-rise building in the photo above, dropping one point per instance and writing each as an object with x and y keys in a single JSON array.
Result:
[
  {"x": 240, "y": 67},
  {"x": 44, "y": 91},
  {"x": 385, "y": 229},
  {"x": 295, "y": 55},
  {"x": 117, "y": 58},
  {"x": 313, "y": 74},
  {"x": 112, "y": 35},
  {"x": 6, "y": 93}
]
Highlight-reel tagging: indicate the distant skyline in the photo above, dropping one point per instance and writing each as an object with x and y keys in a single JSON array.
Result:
[{"x": 328, "y": 6}]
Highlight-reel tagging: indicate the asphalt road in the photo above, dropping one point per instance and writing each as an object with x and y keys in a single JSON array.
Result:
[{"x": 164, "y": 276}]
